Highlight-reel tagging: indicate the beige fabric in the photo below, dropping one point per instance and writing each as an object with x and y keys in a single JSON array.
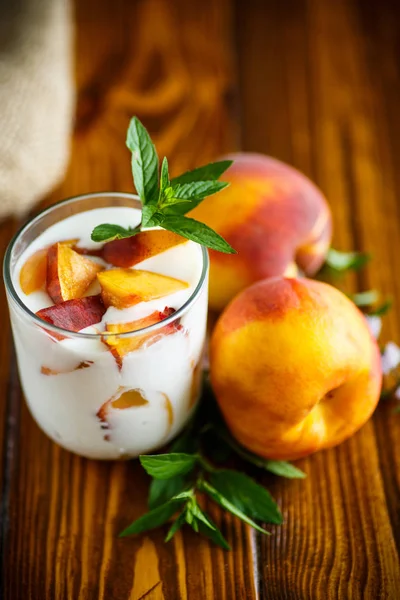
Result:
[{"x": 36, "y": 99}]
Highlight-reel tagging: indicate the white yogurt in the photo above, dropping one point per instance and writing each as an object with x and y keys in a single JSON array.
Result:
[{"x": 70, "y": 385}]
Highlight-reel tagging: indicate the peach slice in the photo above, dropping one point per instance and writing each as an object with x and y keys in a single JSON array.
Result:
[
  {"x": 68, "y": 273},
  {"x": 33, "y": 273},
  {"x": 121, "y": 401},
  {"x": 85, "y": 364},
  {"x": 133, "y": 250},
  {"x": 74, "y": 315},
  {"x": 122, "y": 346},
  {"x": 125, "y": 287}
]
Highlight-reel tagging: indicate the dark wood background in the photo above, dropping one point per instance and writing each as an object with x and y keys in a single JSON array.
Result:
[{"x": 315, "y": 83}]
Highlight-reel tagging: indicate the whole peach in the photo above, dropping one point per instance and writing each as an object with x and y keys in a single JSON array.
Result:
[
  {"x": 294, "y": 367},
  {"x": 274, "y": 217}
]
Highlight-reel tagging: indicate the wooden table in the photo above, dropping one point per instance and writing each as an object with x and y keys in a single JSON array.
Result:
[{"x": 312, "y": 82}]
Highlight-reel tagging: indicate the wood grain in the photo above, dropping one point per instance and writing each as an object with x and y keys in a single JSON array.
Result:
[{"x": 319, "y": 83}]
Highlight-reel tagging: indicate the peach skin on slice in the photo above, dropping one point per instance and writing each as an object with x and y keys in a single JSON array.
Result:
[
  {"x": 68, "y": 273},
  {"x": 125, "y": 287},
  {"x": 74, "y": 315},
  {"x": 125, "y": 345},
  {"x": 32, "y": 276},
  {"x": 131, "y": 251}
]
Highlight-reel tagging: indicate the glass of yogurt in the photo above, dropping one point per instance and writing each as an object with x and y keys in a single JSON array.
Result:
[{"x": 109, "y": 337}]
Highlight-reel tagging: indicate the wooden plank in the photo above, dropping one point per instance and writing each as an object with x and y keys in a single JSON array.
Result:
[
  {"x": 9, "y": 403},
  {"x": 320, "y": 89},
  {"x": 169, "y": 63}
]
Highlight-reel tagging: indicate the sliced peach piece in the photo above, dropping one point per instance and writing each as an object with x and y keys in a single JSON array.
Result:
[
  {"x": 125, "y": 287},
  {"x": 68, "y": 273},
  {"x": 74, "y": 315},
  {"x": 121, "y": 400},
  {"x": 33, "y": 273},
  {"x": 85, "y": 364},
  {"x": 133, "y": 250},
  {"x": 123, "y": 346}
]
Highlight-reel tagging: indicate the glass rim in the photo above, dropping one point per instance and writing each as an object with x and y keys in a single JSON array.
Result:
[{"x": 104, "y": 334}]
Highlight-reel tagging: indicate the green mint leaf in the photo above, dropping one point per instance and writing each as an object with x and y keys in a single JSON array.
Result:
[
  {"x": 284, "y": 469},
  {"x": 144, "y": 162},
  {"x": 162, "y": 490},
  {"x": 248, "y": 496},
  {"x": 182, "y": 198},
  {"x": 209, "y": 172},
  {"x": 198, "y": 190},
  {"x": 148, "y": 212},
  {"x": 108, "y": 232},
  {"x": 214, "y": 534},
  {"x": 278, "y": 467},
  {"x": 180, "y": 208},
  {"x": 201, "y": 522},
  {"x": 198, "y": 514},
  {"x": 227, "y": 504},
  {"x": 176, "y": 525},
  {"x": 197, "y": 232},
  {"x": 154, "y": 518},
  {"x": 396, "y": 410},
  {"x": 365, "y": 298},
  {"x": 344, "y": 261},
  {"x": 165, "y": 466},
  {"x": 381, "y": 310},
  {"x": 164, "y": 179}
]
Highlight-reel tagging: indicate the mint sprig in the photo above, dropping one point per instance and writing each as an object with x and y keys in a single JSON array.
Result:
[
  {"x": 165, "y": 202},
  {"x": 193, "y": 469}
]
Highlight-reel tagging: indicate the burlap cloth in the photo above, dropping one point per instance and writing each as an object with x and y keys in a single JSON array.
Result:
[{"x": 36, "y": 99}]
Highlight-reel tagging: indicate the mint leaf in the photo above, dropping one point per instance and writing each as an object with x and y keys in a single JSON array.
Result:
[
  {"x": 180, "y": 208},
  {"x": 148, "y": 212},
  {"x": 176, "y": 525},
  {"x": 197, "y": 190},
  {"x": 197, "y": 232},
  {"x": 208, "y": 172},
  {"x": 162, "y": 490},
  {"x": 108, "y": 232},
  {"x": 164, "y": 179},
  {"x": 198, "y": 514},
  {"x": 181, "y": 199},
  {"x": 365, "y": 298},
  {"x": 247, "y": 495},
  {"x": 165, "y": 466},
  {"x": 381, "y": 310},
  {"x": 278, "y": 467},
  {"x": 344, "y": 261},
  {"x": 284, "y": 469},
  {"x": 154, "y": 518},
  {"x": 229, "y": 506},
  {"x": 144, "y": 162},
  {"x": 201, "y": 522},
  {"x": 213, "y": 533}
]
